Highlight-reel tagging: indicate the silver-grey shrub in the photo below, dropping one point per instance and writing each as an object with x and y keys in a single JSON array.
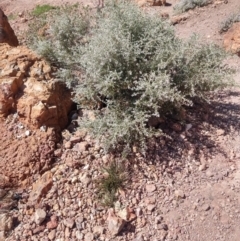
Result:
[
  {"x": 55, "y": 35},
  {"x": 185, "y": 5},
  {"x": 227, "y": 23},
  {"x": 135, "y": 65}
]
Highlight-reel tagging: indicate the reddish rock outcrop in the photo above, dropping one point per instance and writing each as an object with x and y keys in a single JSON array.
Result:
[
  {"x": 7, "y": 34},
  {"x": 232, "y": 39},
  {"x": 28, "y": 91},
  {"x": 27, "y": 87}
]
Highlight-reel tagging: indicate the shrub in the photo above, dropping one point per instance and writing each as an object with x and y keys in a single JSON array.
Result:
[
  {"x": 185, "y": 5},
  {"x": 55, "y": 36},
  {"x": 114, "y": 178},
  {"x": 135, "y": 66},
  {"x": 41, "y": 9},
  {"x": 227, "y": 24}
]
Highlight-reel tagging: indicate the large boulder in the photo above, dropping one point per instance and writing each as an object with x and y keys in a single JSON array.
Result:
[
  {"x": 27, "y": 87},
  {"x": 7, "y": 34},
  {"x": 232, "y": 39}
]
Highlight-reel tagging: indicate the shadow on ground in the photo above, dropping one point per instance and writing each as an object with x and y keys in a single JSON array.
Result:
[{"x": 220, "y": 117}]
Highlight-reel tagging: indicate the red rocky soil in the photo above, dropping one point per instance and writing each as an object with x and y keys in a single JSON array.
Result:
[
  {"x": 186, "y": 189},
  {"x": 24, "y": 156}
]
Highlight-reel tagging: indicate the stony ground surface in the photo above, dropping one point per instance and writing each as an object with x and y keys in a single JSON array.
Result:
[{"x": 187, "y": 188}]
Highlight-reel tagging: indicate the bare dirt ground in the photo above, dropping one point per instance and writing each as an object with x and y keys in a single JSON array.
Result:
[{"x": 196, "y": 175}]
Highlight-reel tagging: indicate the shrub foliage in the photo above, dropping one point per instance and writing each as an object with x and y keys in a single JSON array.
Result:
[
  {"x": 227, "y": 23},
  {"x": 133, "y": 64},
  {"x": 115, "y": 177},
  {"x": 55, "y": 36},
  {"x": 42, "y": 9},
  {"x": 185, "y": 5}
]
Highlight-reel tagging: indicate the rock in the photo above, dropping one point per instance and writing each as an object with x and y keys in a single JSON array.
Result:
[
  {"x": 206, "y": 207},
  {"x": 39, "y": 216},
  {"x": 69, "y": 222},
  {"x": 138, "y": 212},
  {"x": 150, "y": 200},
  {"x": 81, "y": 133},
  {"x": 79, "y": 235},
  {"x": 52, "y": 234},
  {"x": 89, "y": 237},
  {"x": 41, "y": 188},
  {"x": 115, "y": 224},
  {"x": 150, "y": 188},
  {"x": 27, "y": 87},
  {"x": 231, "y": 40},
  {"x": 124, "y": 214},
  {"x": 43, "y": 128},
  {"x": 106, "y": 159},
  {"x": 68, "y": 145},
  {"x": 132, "y": 217},
  {"x": 179, "y": 194},
  {"x": 38, "y": 229},
  {"x": 82, "y": 146},
  {"x": 45, "y": 108},
  {"x": 58, "y": 153},
  {"x": 150, "y": 207},
  {"x": 85, "y": 178},
  {"x": 98, "y": 230},
  {"x": 53, "y": 223},
  {"x": 27, "y": 133},
  {"x": 221, "y": 132},
  {"x": 134, "y": 201},
  {"x": 79, "y": 221},
  {"x": 188, "y": 127},
  {"x": 74, "y": 180},
  {"x": 67, "y": 232},
  {"x": 75, "y": 139},
  {"x": 7, "y": 34},
  {"x": 6, "y": 222},
  {"x": 209, "y": 173},
  {"x": 202, "y": 167}
]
